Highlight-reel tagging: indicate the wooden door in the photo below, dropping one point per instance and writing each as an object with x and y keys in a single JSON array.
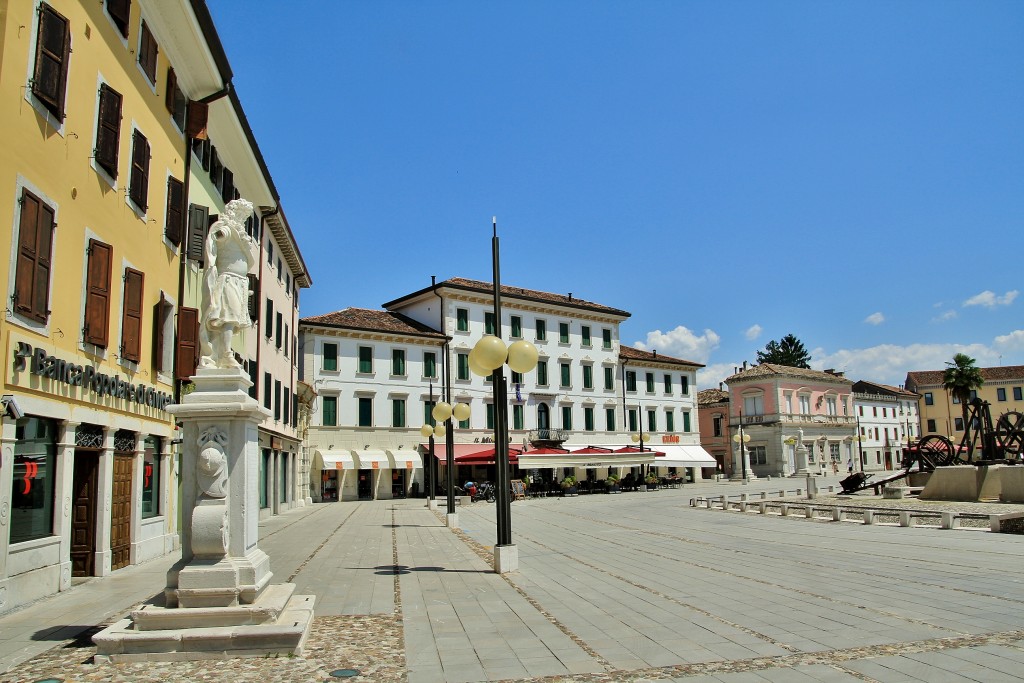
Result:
[
  {"x": 121, "y": 511},
  {"x": 83, "y": 518}
]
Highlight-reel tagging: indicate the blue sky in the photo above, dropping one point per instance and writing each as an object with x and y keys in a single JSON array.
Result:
[{"x": 728, "y": 172}]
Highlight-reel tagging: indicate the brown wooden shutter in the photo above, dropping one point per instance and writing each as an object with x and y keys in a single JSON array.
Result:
[
  {"x": 139, "y": 188},
  {"x": 254, "y": 298},
  {"x": 97, "y": 297},
  {"x": 188, "y": 342},
  {"x": 198, "y": 223},
  {"x": 35, "y": 239},
  {"x": 53, "y": 50},
  {"x": 120, "y": 12},
  {"x": 195, "y": 123},
  {"x": 108, "y": 132},
  {"x": 131, "y": 322},
  {"x": 147, "y": 53},
  {"x": 175, "y": 213},
  {"x": 172, "y": 85},
  {"x": 160, "y": 311},
  {"x": 227, "y": 192}
]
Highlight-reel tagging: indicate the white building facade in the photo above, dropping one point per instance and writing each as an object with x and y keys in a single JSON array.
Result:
[{"x": 886, "y": 417}]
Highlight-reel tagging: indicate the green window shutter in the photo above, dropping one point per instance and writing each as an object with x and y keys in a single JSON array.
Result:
[
  {"x": 609, "y": 378},
  {"x": 609, "y": 419},
  {"x": 517, "y": 417},
  {"x": 686, "y": 385},
  {"x": 585, "y": 335},
  {"x": 365, "y": 412},
  {"x": 565, "y": 374},
  {"x": 462, "y": 366},
  {"x": 588, "y": 376},
  {"x": 490, "y": 416},
  {"x": 686, "y": 421},
  {"x": 429, "y": 365},
  {"x": 670, "y": 421},
  {"x": 630, "y": 381},
  {"x": 398, "y": 412},
  {"x": 563, "y": 333},
  {"x": 652, "y": 421},
  {"x": 462, "y": 320},
  {"x": 517, "y": 326},
  {"x": 488, "y": 323},
  {"x": 668, "y": 384},
  {"x": 542, "y": 373},
  {"x": 606, "y": 338},
  {"x": 365, "y": 359},
  {"x": 588, "y": 419},
  {"x": 330, "y": 411},
  {"x": 330, "y": 356},
  {"x": 650, "y": 382},
  {"x": 398, "y": 362},
  {"x": 632, "y": 420},
  {"x": 517, "y": 377},
  {"x": 542, "y": 330},
  {"x": 566, "y": 417}
]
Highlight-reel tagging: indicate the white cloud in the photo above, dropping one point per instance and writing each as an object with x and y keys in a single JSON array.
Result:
[
  {"x": 753, "y": 332},
  {"x": 875, "y": 319},
  {"x": 1010, "y": 343},
  {"x": 709, "y": 377},
  {"x": 943, "y": 317},
  {"x": 989, "y": 299},
  {"x": 681, "y": 343},
  {"x": 889, "y": 363}
]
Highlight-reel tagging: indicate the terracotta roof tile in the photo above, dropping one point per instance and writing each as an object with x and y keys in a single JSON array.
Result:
[
  {"x": 517, "y": 293},
  {"x": 934, "y": 377},
  {"x": 709, "y": 396},
  {"x": 773, "y": 370},
  {"x": 631, "y": 353},
  {"x": 373, "y": 321},
  {"x": 865, "y": 386}
]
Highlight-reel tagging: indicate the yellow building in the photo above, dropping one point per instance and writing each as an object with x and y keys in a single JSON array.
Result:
[
  {"x": 941, "y": 414},
  {"x": 93, "y": 180}
]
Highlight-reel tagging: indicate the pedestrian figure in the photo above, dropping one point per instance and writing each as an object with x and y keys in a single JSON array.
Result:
[{"x": 849, "y": 466}]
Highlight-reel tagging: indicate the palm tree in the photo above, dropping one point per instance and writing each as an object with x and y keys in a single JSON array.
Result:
[{"x": 962, "y": 377}]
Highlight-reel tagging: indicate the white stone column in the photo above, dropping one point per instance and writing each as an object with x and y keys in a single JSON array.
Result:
[
  {"x": 7, "y": 441},
  {"x": 138, "y": 479},
  {"x": 63, "y": 495},
  {"x": 104, "y": 496}
]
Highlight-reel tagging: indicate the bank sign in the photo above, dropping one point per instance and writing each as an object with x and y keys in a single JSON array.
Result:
[{"x": 42, "y": 364}]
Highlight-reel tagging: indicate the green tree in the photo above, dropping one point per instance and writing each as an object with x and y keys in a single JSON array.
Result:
[
  {"x": 962, "y": 377},
  {"x": 787, "y": 351}
]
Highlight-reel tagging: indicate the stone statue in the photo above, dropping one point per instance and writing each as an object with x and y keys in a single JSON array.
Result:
[
  {"x": 800, "y": 438},
  {"x": 229, "y": 257},
  {"x": 212, "y": 465}
]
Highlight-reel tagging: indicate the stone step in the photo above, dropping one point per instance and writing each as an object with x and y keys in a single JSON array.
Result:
[{"x": 267, "y": 608}]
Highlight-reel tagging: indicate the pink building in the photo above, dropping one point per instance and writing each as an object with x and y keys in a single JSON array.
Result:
[
  {"x": 713, "y": 419},
  {"x": 794, "y": 421}
]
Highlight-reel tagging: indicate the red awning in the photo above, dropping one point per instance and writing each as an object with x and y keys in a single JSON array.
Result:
[
  {"x": 474, "y": 454},
  {"x": 592, "y": 450},
  {"x": 461, "y": 449},
  {"x": 635, "y": 449}
]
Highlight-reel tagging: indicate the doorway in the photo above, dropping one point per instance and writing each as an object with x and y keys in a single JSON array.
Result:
[
  {"x": 543, "y": 420},
  {"x": 83, "y": 515},
  {"x": 364, "y": 486},
  {"x": 121, "y": 511}
]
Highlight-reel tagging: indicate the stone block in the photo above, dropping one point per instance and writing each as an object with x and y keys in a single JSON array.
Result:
[
  {"x": 784, "y": 510},
  {"x": 965, "y": 483},
  {"x": 949, "y": 520},
  {"x": 1012, "y": 484},
  {"x": 506, "y": 558},
  {"x": 869, "y": 516},
  {"x": 838, "y": 514},
  {"x": 451, "y": 520},
  {"x": 809, "y": 512},
  {"x": 905, "y": 519}
]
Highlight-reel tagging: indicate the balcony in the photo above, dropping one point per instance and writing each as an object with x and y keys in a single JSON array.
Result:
[
  {"x": 795, "y": 419},
  {"x": 547, "y": 438}
]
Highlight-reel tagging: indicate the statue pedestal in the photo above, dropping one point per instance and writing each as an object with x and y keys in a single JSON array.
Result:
[
  {"x": 803, "y": 466},
  {"x": 219, "y": 599}
]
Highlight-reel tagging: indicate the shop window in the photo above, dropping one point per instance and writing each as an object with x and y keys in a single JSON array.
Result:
[
  {"x": 151, "y": 477},
  {"x": 33, "y": 478}
]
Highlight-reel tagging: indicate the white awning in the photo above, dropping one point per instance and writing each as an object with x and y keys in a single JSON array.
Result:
[
  {"x": 684, "y": 456},
  {"x": 333, "y": 460},
  {"x": 372, "y": 459},
  {"x": 405, "y": 459}
]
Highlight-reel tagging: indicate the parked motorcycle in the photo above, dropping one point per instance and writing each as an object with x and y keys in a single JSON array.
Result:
[{"x": 485, "y": 491}]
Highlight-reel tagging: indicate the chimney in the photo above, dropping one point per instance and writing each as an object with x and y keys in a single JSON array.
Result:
[
  {"x": 433, "y": 281},
  {"x": 744, "y": 365},
  {"x": 720, "y": 387},
  {"x": 655, "y": 353}
]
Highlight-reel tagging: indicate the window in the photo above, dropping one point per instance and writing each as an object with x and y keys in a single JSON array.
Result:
[
  {"x": 805, "y": 404},
  {"x": 108, "y": 130},
  {"x": 198, "y": 226},
  {"x": 585, "y": 335},
  {"x": 267, "y": 384},
  {"x": 330, "y": 411},
  {"x": 1001, "y": 394},
  {"x": 958, "y": 423},
  {"x": 33, "y": 480},
  {"x": 652, "y": 420},
  {"x": 365, "y": 411},
  {"x": 632, "y": 420},
  {"x": 131, "y": 317},
  {"x": 35, "y": 244},
  {"x": 398, "y": 362},
  {"x": 753, "y": 405},
  {"x": 188, "y": 342},
  {"x": 830, "y": 404},
  {"x": 462, "y": 320},
  {"x": 518, "y": 415},
  {"x": 686, "y": 421},
  {"x": 685, "y": 379},
  {"x": 758, "y": 455},
  {"x": 278, "y": 324},
  {"x": 566, "y": 417},
  {"x": 489, "y": 418},
  {"x": 630, "y": 380},
  {"x": 670, "y": 421},
  {"x": 931, "y": 427},
  {"x": 668, "y": 384},
  {"x": 97, "y": 298},
  {"x": 174, "y": 223},
  {"x": 563, "y": 333},
  {"x": 398, "y": 412},
  {"x": 566, "y": 379},
  {"x": 286, "y": 403},
  {"x": 542, "y": 373},
  {"x": 53, "y": 51},
  {"x": 277, "y": 399},
  {"x": 429, "y": 364},
  {"x": 269, "y": 318},
  {"x": 588, "y": 376},
  {"x": 542, "y": 330},
  {"x": 928, "y": 399},
  {"x": 147, "y": 53},
  {"x": 264, "y": 479},
  {"x": 716, "y": 426},
  {"x": 606, "y": 338},
  {"x": 1017, "y": 394},
  {"x": 861, "y": 410},
  {"x": 330, "y": 356},
  {"x": 588, "y": 418},
  {"x": 428, "y": 409},
  {"x": 138, "y": 186},
  {"x": 174, "y": 100},
  {"x": 609, "y": 419},
  {"x": 151, "y": 478},
  {"x": 163, "y": 335},
  {"x": 119, "y": 11},
  {"x": 650, "y": 382},
  {"x": 488, "y": 322},
  {"x": 517, "y": 326},
  {"x": 609, "y": 377},
  {"x": 462, "y": 366},
  {"x": 365, "y": 359}
]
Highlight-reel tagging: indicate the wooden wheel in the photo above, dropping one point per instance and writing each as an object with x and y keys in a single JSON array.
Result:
[
  {"x": 935, "y": 450},
  {"x": 1010, "y": 430}
]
